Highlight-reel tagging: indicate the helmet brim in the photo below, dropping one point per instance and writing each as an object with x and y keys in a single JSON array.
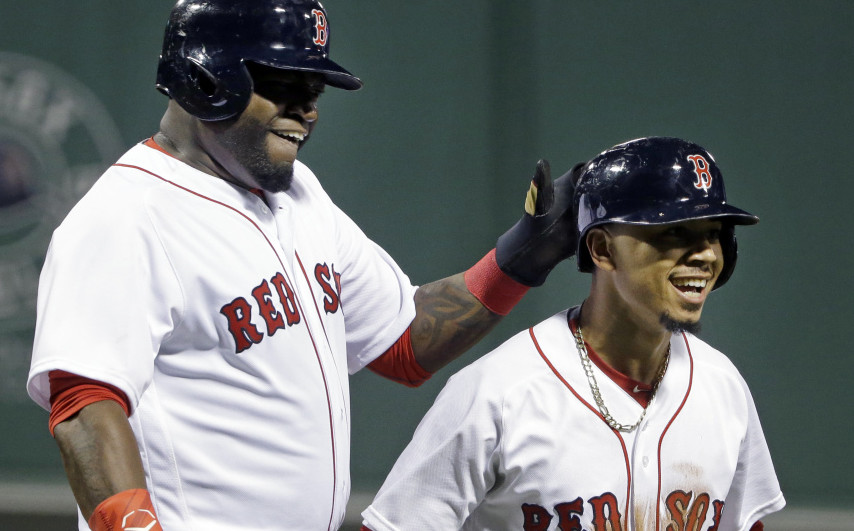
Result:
[
  {"x": 333, "y": 74},
  {"x": 687, "y": 212}
]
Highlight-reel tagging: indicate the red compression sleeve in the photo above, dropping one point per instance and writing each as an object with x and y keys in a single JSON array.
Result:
[
  {"x": 69, "y": 393},
  {"x": 129, "y": 509},
  {"x": 492, "y": 287},
  {"x": 398, "y": 363}
]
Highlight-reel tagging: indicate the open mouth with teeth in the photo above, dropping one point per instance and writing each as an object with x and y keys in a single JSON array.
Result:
[
  {"x": 291, "y": 136},
  {"x": 690, "y": 286}
]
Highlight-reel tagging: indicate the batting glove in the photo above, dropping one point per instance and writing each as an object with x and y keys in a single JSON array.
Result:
[{"x": 546, "y": 234}]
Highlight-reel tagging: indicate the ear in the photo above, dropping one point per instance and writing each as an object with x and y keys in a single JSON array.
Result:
[{"x": 599, "y": 246}]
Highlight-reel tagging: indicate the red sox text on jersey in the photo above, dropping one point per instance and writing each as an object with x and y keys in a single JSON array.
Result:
[
  {"x": 686, "y": 512},
  {"x": 276, "y": 311}
]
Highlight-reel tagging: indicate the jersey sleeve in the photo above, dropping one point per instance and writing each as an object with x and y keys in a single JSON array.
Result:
[
  {"x": 107, "y": 297},
  {"x": 377, "y": 298},
  {"x": 755, "y": 491},
  {"x": 448, "y": 467}
]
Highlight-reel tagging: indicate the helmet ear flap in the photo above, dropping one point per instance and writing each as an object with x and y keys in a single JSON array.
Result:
[
  {"x": 729, "y": 247},
  {"x": 576, "y": 171},
  {"x": 582, "y": 256},
  {"x": 213, "y": 96},
  {"x": 204, "y": 80}
]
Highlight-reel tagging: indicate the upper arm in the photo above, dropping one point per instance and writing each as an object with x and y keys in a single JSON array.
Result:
[
  {"x": 377, "y": 298},
  {"x": 448, "y": 467},
  {"x": 755, "y": 491},
  {"x": 103, "y": 309}
]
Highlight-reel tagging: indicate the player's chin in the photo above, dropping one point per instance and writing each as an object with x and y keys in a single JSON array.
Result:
[
  {"x": 276, "y": 177},
  {"x": 680, "y": 322}
]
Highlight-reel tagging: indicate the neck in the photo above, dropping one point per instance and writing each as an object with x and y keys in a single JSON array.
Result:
[
  {"x": 177, "y": 136},
  {"x": 628, "y": 344},
  {"x": 180, "y": 136}
]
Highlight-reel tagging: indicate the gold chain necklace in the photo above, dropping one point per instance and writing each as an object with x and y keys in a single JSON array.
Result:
[{"x": 594, "y": 388}]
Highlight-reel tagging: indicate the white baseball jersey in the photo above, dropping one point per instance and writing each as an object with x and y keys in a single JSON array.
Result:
[
  {"x": 230, "y": 326},
  {"x": 515, "y": 442}
]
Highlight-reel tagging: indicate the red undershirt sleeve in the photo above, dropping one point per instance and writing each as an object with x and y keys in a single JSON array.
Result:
[
  {"x": 398, "y": 363},
  {"x": 69, "y": 393}
]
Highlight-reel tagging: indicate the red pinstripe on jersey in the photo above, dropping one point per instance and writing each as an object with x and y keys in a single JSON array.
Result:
[
  {"x": 664, "y": 431},
  {"x": 323, "y": 373}
]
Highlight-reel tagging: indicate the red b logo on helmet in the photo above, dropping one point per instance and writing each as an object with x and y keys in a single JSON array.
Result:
[
  {"x": 321, "y": 30},
  {"x": 701, "y": 169}
]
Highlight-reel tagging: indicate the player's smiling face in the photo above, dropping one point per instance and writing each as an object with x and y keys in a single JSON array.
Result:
[
  {"x": 666, "y": 271},
  {"x": 258, "y": 148}
]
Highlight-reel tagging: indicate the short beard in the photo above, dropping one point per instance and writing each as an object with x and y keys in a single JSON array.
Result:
[
  {"x": 249, "y": 152},
  {"x": 270, "y": 178},
  {"x": 673, "y": 326}
]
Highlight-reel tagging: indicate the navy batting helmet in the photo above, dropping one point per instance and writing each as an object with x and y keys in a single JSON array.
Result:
[
  {"x": 208, "y": 43},
  {"x": 653, "y": 181}
]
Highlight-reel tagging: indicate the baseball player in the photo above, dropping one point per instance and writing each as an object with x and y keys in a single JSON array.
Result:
[
  {"x": 611, "y": 415},
  {"x": 201, "y": 307}
]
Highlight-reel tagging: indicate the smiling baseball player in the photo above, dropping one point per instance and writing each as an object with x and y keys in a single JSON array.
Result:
[
  {"x": 611, "y": 415},
  {"x": 201, "y": 308}
]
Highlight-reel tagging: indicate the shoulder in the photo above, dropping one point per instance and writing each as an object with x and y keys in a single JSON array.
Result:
[
  {"x": 306, "y": 183},
  {"x": 516, "y": 362},
  {"x": 116, "y": 200},
  {"x": 141, "y": 185},
  {"x": 714, "y": 368},
  {"x": 303, "y": 173},
  {"x": 127, "y": 182},
  {"x": 707, "y": 356}
]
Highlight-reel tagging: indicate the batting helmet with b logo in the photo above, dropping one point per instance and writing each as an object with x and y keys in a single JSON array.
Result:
[
  {"x": 653, "y": 181},
  {"x": 208, "y": 43}
]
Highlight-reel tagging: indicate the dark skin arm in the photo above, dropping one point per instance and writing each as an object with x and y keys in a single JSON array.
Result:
[
  {"x": 448, "y": 321},
  {"x": 99, "y": 453}
]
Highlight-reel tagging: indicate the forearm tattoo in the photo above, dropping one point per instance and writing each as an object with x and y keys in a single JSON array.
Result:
[{"x": 449, "y": 320}]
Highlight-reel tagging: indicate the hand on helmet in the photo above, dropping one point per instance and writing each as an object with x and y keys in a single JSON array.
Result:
[{"x": 546, "y": 234}]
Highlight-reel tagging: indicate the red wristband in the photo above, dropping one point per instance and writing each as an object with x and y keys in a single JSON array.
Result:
[
  {"x": 492, "y": 287},
  {"x": 129, "y": 509}
]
